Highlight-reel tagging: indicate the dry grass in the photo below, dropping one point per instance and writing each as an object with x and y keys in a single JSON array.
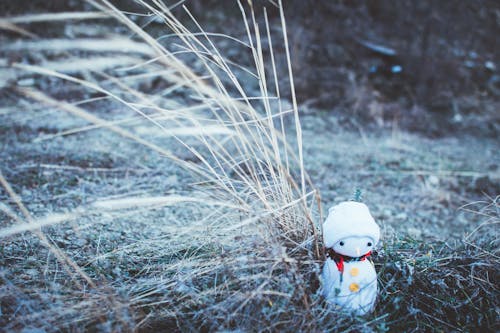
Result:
[
  {"x": 241, "y": 249},
  {"x": 206, "y": 272}
]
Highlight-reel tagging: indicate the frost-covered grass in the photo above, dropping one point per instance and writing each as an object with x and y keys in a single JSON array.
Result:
[{"x": 187, "y": 205}]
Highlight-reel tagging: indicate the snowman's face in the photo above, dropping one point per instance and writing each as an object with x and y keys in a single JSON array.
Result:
[{"x": 354, "y": 246}]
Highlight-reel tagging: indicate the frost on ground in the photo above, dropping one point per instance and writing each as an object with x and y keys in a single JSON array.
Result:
[{"x": 132, "y": 241}]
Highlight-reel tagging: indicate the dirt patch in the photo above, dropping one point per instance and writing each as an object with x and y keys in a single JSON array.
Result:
[{"x": 431, "y": 66}]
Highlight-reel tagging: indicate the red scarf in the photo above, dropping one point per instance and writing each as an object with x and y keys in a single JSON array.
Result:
[{"x": 340, "y": 258}]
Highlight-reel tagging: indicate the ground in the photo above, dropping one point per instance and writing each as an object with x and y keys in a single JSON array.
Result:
[{"x": 423, "y": 187}]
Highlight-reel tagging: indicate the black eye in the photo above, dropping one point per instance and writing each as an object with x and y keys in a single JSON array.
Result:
[
  {"x": 341, "y": 243},
  {"x": 369, "y": 244}
]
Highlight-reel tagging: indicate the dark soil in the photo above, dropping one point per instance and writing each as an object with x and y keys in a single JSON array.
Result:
[
  {"x": 427, "y": 66},
  {"x": 431, "y": 66}
]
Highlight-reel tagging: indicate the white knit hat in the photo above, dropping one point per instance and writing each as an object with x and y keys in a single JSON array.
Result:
[{"x": 349, "y": 219}]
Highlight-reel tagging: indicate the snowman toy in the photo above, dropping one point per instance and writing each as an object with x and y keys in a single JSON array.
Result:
[{"x": 349, "y": 278}]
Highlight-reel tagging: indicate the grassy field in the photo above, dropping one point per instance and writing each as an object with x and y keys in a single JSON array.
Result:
[{"x": 157, "y": 176}]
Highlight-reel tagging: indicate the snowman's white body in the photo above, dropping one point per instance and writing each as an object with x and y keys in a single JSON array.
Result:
[
  {"x": 357, "y": 291},
  {"x": 351, "y": 232}
]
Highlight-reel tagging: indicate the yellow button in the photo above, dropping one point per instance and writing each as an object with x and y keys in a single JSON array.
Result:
[
  {"x": 354, "y": 287},
  {"x": 354, "y": 271}
]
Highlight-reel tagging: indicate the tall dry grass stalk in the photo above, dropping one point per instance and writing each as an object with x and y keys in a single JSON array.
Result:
[{"x": 251, "y": 261}]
